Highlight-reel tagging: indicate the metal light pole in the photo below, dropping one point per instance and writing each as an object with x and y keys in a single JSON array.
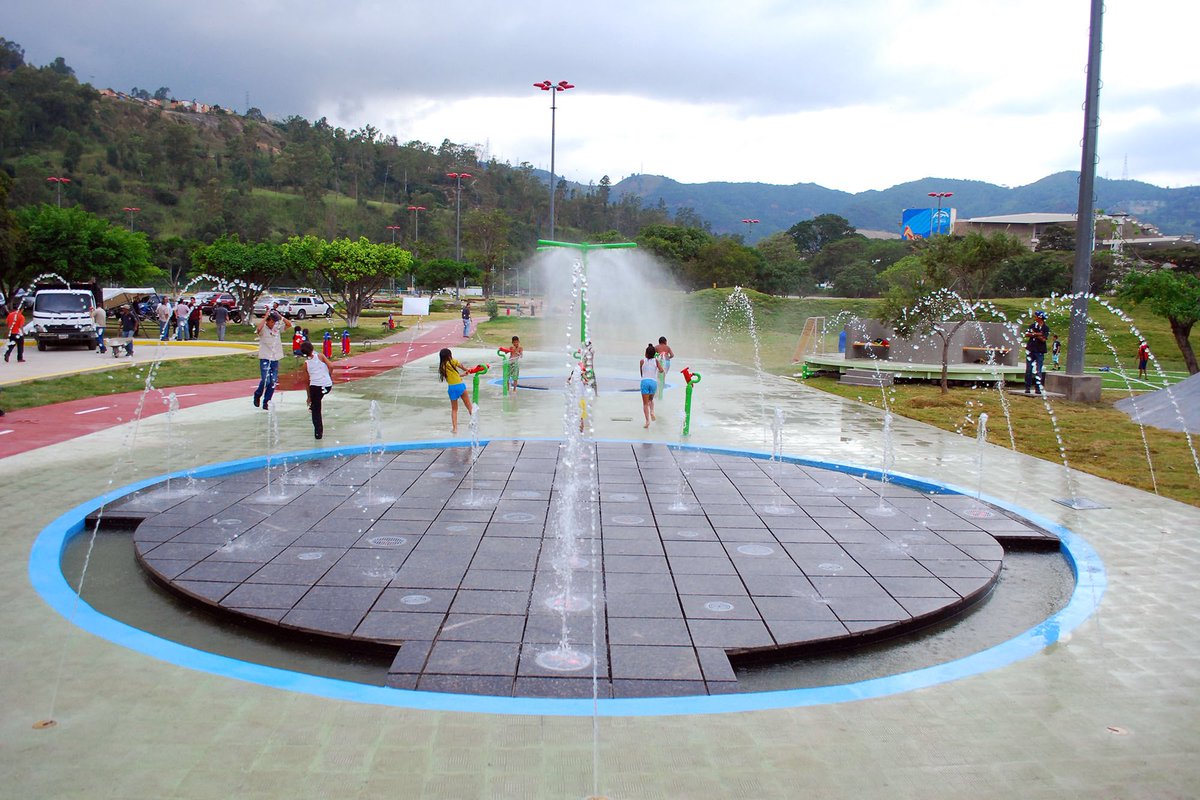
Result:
[
  {"x": 750, "y": 223},
  {"x": 553, "y": 89},
  {"x": 940, "y": 196},
  {"x": 458, "y": 179},
  {"x": 131, "y": 210},
  {"x": 393, "y": 229},
  {"x": 58, "y": 182},
  {"x": 416, "y": 221}
]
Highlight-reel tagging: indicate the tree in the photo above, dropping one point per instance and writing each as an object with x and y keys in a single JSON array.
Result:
[
  {"x": 12, "y": 55},
  {"x": 1033, "y": 275},
  {"x": 723, "y": 262},
  {"x": 174, "y": 257},
  {"x": 943, "y": 294},
  {"x": 162, "y": 94},
  {"x": 1173, "y": 295},
  {"x": 812, "y": 235},
  {"x": 245, "y": 269},
  {"x": 782, "y": 271},
  {"x": 856, "y": 280},
  {"x": 486, "y": 235},
  {"x": 352, "y": 269},
  {"x": 1056, "y": 237},
  {"x": 439, "y": 273},
  {"x": 80, "y": 247},
  {"x": 10, "y": 240}
]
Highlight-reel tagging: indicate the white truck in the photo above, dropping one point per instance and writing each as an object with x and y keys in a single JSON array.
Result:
[
  {"x": 63, "y": 316},
  {"x": 308, "y": 305}
]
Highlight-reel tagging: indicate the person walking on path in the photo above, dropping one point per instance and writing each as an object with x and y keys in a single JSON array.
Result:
[
  {"x": 1143, "y": 359},
  {"x": 16, "y": 333},
  {"x": 220, "y": 317},
  {"x": 270, "y": 351},
  {"x": 451, "y": 371},
  {"x": 182, "y": 312},
  {"x": 466, "y": 318},
  {"x": 664, "y": 354},
  {"x": 320, "y": 383},
  {"x": 1035, "y": 352},
  {"x": 100, "y": 318},
  {"x": 163, "y": 314},
  {"x": 129, "y": 323},
  {"x": 1055, "y": 349},
  {"x": 193, "y": 319},
  {"x": 514, "y": 362},
  {"x": 649, "y": 367}
]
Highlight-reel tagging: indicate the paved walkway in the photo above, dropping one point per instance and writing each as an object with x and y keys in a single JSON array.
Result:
[{"x": 1107, "y": 712}]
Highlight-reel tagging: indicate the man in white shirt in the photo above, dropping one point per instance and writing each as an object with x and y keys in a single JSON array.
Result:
[{"x": 270, "y": 351}]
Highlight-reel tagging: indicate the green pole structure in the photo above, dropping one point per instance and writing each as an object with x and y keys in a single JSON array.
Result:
[
  {"x": 480, "y": 369},
  {"x": 690, "y": 378},
  {"x": 506, "y": 374},
  {"x": 584, "y": 247}
]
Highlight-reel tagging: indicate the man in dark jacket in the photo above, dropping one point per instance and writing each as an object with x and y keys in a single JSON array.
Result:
[{"x": 1035, "y": 352}]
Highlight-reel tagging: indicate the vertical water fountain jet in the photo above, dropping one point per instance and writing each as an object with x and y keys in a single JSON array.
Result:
[{"x": 739, "y": 301}]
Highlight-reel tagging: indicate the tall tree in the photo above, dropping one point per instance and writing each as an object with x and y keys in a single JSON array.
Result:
[
  {"x": 80, "y": 246},
  {"x": 943, "y": 295},
  {"x": 245, "y": 269},
  {"x": 1173, "y": 295},
  {"x": 353, "y": 270},
  {"x": 813, "y": 234}
]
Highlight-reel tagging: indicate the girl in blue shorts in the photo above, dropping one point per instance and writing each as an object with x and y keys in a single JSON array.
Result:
[
  {"x": 649, "y": 367},
  {"x": 451, "y": 371}
]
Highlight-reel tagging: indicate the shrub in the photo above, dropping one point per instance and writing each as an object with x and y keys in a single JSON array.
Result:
[{"x": 492, "y": 307}]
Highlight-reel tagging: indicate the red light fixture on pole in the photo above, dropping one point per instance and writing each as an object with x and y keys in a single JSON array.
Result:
[
  {"x": 416, "y": 221},
  {"x": 58, "y": 183},
  {"x": 940, "y": 196},
  {"x": 131, "y": 211},
  {"x": 553, "y": 89},
  {"x": 393, "y": 229},
  {"x": 750, "y": 223}
]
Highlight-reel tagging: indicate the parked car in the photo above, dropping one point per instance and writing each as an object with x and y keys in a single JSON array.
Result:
[
  {"x": 306, "y": 305},
  {"x": 214, "y": 299},
  {"x": 266, "y": 302}
]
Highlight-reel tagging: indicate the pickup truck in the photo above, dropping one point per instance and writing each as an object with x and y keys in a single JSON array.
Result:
[{"x": 307, "y": 305}]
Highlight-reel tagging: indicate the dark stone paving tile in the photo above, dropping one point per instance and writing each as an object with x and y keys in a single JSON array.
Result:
[
  {"x": 895, "y": 568},
  {"x": 205, "y": 535},
  {"x": 546, "y": 628},
  {"x": 644, "y": 605},
  {"x": 867, "y": 608},
  {"x": 811, "y": 609},
  {"x": 373, "y": 557},
  {"x": 425, "y": 601},
  {"x": 629, "y": 532},
  {"x": 957, "y": 569},
  {"x": 640, "y": 662},
  {"x": 339, "y": 598},
  {"x": 339, "y": 575},
  {"x": 732, "y": 606},
  {"x": 264, "y": 596},
  {"x": 693, "y": 549},
  {"x": 325, "y": 538},
  {"x": 715, "y": 664},
  {"x": 746, "y": 535},
  {"x": 657, "y": 688},
  {"x": 513, "y": 530},
  {"x": 709, "y": 584},
  {"x": 766, "y": 566},
  {"x": 915, "y": 587},
  {"x": 788, "y": 631},
  {"x": 830, "y": 588},
  {"x": 683, "y": 565},
  {"x": 983, "y": 552},
  {"x": 411, "y": 656},
  {"x": 181, "y": 552},
  {"x": 802, "y": 535},
  {"x": 633, "y": 547},
  {"x": 778, "y": 586},
  {"x": 577, "y": 688},
  {"x": 920, "y": 606},
  {"x": 730, "y": 633},
  {"x": 472, "y": 601},
  {"x": 473, "y": 658},
  {"x": 226, "y": 571},
  {"x": 212, "y": 591},
  {"x": 396, "y": 626},
  {"x": 615, "y": 564},
  {"x": 415, "y": 577},
  {"x": 967, "y": 586},
  {"x": 482, "y": 628},
  {"x": 510, "y": 580},
  {"x": 169, "y": 568},
  {"x": 272, "y": 615},
  {"x": 648, "y": 630},
  {"x": 494, "y": 686},
  {"x": 302, "y": 574}
]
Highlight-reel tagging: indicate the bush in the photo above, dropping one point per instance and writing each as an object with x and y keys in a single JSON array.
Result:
[
  {"x": 492, "y": 308},
  {"x": 437, "y": 305}
]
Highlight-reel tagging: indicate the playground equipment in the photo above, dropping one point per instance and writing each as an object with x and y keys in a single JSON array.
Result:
[
  {"x": 476, "y": 372},
  {"x": 506, "y": 364},
  {"x": 583, "y": 248},
  {"x": 690, "y": 379}
]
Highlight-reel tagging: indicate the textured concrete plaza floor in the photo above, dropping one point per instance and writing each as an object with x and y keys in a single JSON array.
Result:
[{"x": 1109, "y": 710}]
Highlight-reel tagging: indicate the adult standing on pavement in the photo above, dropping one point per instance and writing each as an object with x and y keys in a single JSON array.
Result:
[
  {"x": 16, "y": 333},
  {"x": 270, "y": 351},
  {"x": 129, "y": 323},
  {"x": 182, "y": 312},
  {"x": 1035, "y": 352},
  {"x": 101, "y": 319},
  {"x": 163, "y": 314},
  {"x": 193, "y": 319},
  {"x": 466, "y": 318},
  {"x": 220, "y": 316}
]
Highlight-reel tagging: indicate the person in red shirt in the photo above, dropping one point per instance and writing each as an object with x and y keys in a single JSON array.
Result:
[
  {"x": 297, "y": 342},
  {"x": 1143, "y": 359},
  {"x": 16, "y": 333}
]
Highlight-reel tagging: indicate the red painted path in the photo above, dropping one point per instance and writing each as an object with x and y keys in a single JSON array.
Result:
[{"x": 31, "y": 428}]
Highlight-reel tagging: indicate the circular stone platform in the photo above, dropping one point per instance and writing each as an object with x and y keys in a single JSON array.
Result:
[{"x": 702, "y": 558}]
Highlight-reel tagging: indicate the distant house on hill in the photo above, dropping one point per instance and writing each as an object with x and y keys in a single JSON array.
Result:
[{"x": 1113, "y": 231}]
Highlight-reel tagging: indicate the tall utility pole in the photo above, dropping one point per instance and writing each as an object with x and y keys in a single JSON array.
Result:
[
  {"x": 553, "y": 89},
  {"x": 1085, "y": 218}
]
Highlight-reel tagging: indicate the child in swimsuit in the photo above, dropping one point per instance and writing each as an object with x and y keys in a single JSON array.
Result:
[{"x": 451, "y": 371}]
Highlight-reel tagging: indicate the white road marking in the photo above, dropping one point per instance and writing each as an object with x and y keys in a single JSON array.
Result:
[{"x": 93, "y": 410}]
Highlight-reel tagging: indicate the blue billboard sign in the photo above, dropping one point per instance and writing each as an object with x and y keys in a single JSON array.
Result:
[{"x": 921, "y": 223}]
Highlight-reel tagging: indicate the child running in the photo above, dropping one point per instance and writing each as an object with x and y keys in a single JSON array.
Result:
[
  {"x": 649, "y": 367},
  {"x": 451, "y": 371},
  {"x": 514, "y": 362},
  {"x": 320, "y": 383}
]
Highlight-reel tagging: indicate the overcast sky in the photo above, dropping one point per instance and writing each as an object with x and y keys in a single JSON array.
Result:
[{"x": 849, "y": 94}]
